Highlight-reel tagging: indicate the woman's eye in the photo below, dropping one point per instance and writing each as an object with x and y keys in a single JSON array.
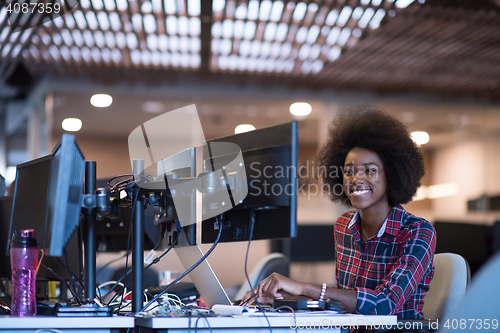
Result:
[{"x": 348, "y": 172}]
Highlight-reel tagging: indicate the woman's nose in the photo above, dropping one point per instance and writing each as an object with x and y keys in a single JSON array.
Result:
[{"x": 358, "y": 177}]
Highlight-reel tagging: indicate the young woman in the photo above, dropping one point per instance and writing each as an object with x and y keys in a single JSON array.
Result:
[{"x": 384, "y": 254}]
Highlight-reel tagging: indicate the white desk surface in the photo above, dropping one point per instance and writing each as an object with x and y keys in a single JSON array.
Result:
[
  {"x": 46, "y": 322},
  {"x": 257, "y": 322}
]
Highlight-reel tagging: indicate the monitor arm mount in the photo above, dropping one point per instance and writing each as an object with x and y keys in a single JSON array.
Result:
[{"x": 95, "y": 203}]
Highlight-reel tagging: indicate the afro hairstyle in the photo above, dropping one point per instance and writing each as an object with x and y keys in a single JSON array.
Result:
[{"x": 366, "y": 126}]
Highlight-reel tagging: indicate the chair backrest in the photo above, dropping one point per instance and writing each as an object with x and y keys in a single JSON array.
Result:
[
  {"x": 273, "y": 262},
  {"x": 447, "y": 288},
  {"x": 480, "y": 306}
]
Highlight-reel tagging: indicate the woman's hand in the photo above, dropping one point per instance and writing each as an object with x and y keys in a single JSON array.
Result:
[
  {"x": 277, "y": 286},
  {"x": 249, "y": 298}
]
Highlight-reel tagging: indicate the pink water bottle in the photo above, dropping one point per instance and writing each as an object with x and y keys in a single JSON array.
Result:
[{"x": 23, "y": 260}]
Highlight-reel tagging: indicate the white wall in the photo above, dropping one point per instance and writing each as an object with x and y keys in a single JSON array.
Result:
[
  {"x": 109, "y": 153},
  {"x": 473, "y": 166}
]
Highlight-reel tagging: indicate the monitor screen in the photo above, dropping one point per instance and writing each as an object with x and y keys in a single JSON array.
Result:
[
  {"x": 299, "y": 249},
  {"x": 28, "y": 212},
  {"x": 30, "y": 194},
  {"x": 5, "y": 211},
  {"x": 64, "y": 195},
  {"x": 270, "y": 158},
  {"x": 473, "y": 241}
]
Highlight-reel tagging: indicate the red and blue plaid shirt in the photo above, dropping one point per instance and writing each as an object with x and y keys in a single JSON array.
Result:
[{"x": 392, "y": 271}]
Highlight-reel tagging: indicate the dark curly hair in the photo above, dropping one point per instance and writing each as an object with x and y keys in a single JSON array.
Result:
[{"x": 366, "y": 126}]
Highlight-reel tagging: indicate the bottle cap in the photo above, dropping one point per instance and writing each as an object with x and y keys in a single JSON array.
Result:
[{"x": 24, "y": 238}]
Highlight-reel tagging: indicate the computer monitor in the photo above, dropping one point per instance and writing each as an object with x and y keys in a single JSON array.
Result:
[
  {"x": 178, "y": 206},
  {"x": 64, "y": 195},
  {"x": 473, "y": 241},
  {"x": 270, "y": 158},
  {"x": 112, "y": 233},
  {"x": 299, "y": 249},
  {"x": 28, "y": 212},
  {"x": 30, "y": 194},
  {"x": 5, "y": 211}
]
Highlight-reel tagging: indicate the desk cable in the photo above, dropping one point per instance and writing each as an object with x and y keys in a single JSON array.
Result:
[
  {"x": 128, "y": 243},
  {"x": 155, "y": 261},
  {"x": 185, "y": 273},
  {"x": 75, "y": 295},
  {"x": 196, "y": 323},
  {"x": 252, "y": 223}
]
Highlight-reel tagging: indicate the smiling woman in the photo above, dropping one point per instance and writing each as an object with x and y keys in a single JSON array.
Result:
[{"x": 384, "y": 254}]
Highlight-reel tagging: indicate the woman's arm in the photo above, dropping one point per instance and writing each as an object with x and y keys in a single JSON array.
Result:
[
  {"x": 280, "y": 287},
  {"x": 405, "y": 276}
]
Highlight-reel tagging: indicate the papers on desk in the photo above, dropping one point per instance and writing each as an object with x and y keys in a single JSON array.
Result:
[{"x": 232, "y": 310}]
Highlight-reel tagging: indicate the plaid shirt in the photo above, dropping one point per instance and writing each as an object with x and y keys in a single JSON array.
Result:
[{"x": 392, "y": 272}]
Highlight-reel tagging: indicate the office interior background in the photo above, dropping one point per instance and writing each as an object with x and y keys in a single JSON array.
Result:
[{"x": 434, "y": 64}]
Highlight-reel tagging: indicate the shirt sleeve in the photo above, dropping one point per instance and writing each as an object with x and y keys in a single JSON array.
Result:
[{"x": 405, "y": 275}]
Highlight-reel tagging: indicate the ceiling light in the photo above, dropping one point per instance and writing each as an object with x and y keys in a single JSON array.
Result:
[
  {"x": 300, "y": 11},
  {"x": 101, "y": 100},
  {"x": 403, "y": 3},
  {"x": 243, "y": 128},
  {"x": 300, "y": 109},
  {"x": 72, "y": 124},
  {"x": 375, "y": 22},
  {"x": 420, "y": 137}
]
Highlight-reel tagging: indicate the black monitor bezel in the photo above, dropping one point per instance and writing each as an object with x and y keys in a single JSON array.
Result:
[
  {"x": 65, "y": 181},
  {"x": 236, "y": 224}
]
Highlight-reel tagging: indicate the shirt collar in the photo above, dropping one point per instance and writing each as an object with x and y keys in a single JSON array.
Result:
[{"x": 391, "y": 224}]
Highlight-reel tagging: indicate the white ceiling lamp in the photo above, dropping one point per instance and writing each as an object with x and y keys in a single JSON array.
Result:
[
  {"x": 300, "y": 109},
  {"x": 72, "y": 124},
  {"x": 420, "y": 137},
  {"x": 243, "y": 128},
  {"x": 101, "y": 100}
]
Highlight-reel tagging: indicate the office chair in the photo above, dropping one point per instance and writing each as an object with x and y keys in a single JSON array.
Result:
[
  {"x": 273, "y": 262},
  {"x": 446, "y": 290},
  {"x": 480, "y": 306}
]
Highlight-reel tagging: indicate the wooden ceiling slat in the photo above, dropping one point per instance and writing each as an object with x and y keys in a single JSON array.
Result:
[
  {"x": 73, "y": 68},
  {"x": 9, "y": 63},
  {"x": 410, "y": 55},
  {"x": 441, "y": 46}
]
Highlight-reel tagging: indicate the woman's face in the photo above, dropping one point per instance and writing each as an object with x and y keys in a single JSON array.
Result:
[{"x": 364, "y": 179}]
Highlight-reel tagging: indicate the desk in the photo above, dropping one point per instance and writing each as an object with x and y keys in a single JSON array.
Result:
[
  {"x": 258, "y": 323},
  {"x": 42, "y": 324}
]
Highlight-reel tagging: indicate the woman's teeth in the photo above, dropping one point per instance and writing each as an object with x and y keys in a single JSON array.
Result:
[{"x": 361, "y": 192}]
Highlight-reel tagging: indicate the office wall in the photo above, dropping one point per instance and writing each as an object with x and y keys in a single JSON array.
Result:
[
  {"x": 473, "y": 167},
  {"x": 109, "y": 153}
]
